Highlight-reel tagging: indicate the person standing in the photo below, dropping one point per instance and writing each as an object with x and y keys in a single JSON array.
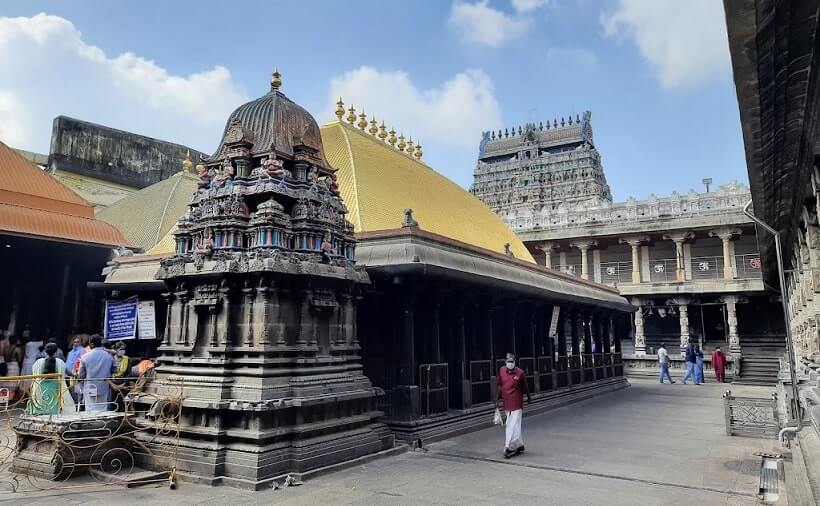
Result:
[
  {"x": 719, "y": 364},
  {"x": 663, "y": 362},
  {"x": 698, "y": 366},
  {"x": 75, "y": 352},
  {"x": 49, "y": 396},
  {"x": 690, "y": 359},
  {"x": 512, "y": 385},
  {"x": 96, "y": 367}
]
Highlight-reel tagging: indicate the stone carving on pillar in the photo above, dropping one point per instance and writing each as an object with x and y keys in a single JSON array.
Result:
[
  {"x": 679, "y": 237},
  {"x": 584, "y": 246},
  {"x": 726, "y": 234},
  {"x": 640, "y": 337},
  {"x": 547, "y": 248},
  {"x": 635, "y": 242},
  {"x": 731, "y": 302},
  {"x": 683, "y": 315}
]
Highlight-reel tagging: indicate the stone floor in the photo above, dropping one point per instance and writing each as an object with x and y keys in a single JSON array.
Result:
[{"x": 649, "y": 444}]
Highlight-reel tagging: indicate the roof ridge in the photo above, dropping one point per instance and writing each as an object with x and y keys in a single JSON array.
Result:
[
  {"x": 353, "y": 177},
  {"x": 380, "y": 143},
  {"x": 161, "y": 220}
]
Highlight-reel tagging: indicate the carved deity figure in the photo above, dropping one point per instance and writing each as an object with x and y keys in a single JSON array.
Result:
[
  {"x": 273, "y": 167},
  {"x": 205, "y": 244},
  {"x": 224, "y": 177},
  {"x": 327, "y": 248},
  {"x": 204, "y": 178},
  {"x": 313, "y": 176}
]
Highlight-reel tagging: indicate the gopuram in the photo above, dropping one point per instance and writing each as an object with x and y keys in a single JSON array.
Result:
[{"x": 261, "y": 298}]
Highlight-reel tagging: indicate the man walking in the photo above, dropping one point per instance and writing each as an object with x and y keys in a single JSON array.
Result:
[
  {"x": 719, "y": 364},
  {"x": 663, "y": 362},
  {"x": 690, "y": 358},
  {"x": 512, "y": 385}
]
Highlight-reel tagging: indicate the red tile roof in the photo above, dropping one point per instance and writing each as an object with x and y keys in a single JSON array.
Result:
[{"x": 33, "y": 203}]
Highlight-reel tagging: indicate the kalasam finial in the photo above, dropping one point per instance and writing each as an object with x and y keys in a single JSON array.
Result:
[
  {"x": 276, "y": 80},
  {"x": 340, "y": 109}
]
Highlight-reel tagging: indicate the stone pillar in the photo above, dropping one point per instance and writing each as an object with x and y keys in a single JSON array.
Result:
[
  {"x": 731, "y": 302},
  {"x": 407, "y": 366},
  {"x": 223, "y": 317},
  {"x": 726, "y": 234},
  {"x": 640, "y": 337},
  {"x": 435, "y": 329},
  {"x": 249, "y": 293},
  {"x": 683, "y": 316},
  {"x": 635, "y": 243},
  {"x": 547, "y": 247},
  {"x": 678, "y": 237},
  {"x": 576, "y": 335},
  {"x": 584, "y": 246},
  {"x": 511, "y": 330},
  {"x": 305, "y": 320},
  {"x": 463, "y": 359},
  {"x": 166, "y": 334},
  {"x": 564, "y": 332}
]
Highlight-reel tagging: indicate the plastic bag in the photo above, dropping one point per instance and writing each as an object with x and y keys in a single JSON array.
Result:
[{"x": 497, "y": 418}]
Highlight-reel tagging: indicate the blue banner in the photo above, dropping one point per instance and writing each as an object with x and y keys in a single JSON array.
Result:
[{"x": 121, "y": 319}]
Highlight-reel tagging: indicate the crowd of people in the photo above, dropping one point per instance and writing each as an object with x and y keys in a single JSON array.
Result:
[
  {"x": 84, "y": 379},
  {"x": 693, "y": 357}
]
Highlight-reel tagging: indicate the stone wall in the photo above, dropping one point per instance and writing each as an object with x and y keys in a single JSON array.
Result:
[{"x": 113, "y": 155}]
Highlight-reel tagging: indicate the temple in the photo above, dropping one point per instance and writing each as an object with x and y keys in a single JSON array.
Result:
[
  {"x": 690, "y": 261},
  {"x": 327, "y": 293}
]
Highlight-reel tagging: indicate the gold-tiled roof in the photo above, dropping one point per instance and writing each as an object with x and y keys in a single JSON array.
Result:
[
  {"x": 145, "y": 217},
  {"x": 378, "y": 183}
]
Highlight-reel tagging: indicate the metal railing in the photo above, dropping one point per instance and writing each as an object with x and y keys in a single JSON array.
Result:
[
  {"x": 748, "y": 266},
  {"x": 663, "y": 269},
  {"x": 749, "y": 416},
  {"x": 58, "y": 429},
  {"x": 707, "y": 267},
  {"x": 615, "y": 273},
  {"x": 434, "y": 386},
  {"x": 481, "y": 372}
]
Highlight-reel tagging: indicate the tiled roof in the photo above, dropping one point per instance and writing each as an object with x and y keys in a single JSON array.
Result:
[
  {"x": 378, "y": 183},
  {"x": 146, "y": 216},
  {"x": 33, "y": 203}
]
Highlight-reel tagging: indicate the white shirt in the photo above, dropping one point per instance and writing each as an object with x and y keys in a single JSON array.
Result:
[{"x": 663, "y": 356}]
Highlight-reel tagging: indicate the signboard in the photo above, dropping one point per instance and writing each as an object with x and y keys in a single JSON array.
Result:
[
  {"x": 556, "y": 311},
  {"x": 121, "y": 319},
  {"x": 146, "y": 320}
]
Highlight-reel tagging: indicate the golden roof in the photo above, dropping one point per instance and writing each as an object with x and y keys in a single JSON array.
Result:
[
  {"x": 145, "y": 217},
  {"x": 378, "y": 183}
]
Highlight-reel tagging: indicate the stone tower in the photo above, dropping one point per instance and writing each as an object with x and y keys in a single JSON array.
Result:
[
  {"x": 540, "y": 170},
  {"x": 261, "y": 301}
]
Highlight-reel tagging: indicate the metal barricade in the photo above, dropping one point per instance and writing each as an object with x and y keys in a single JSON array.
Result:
[
  {"x": 663, "y": 269},
  {"x": 89, "y": 433},
  {"x": 588, "y": 367},
  {"x": 615, "y": 273},
  {"x": 575, "y": 369},
  {"x": 434, "y": 386},
  {"x": 528, "y": 365},
  {"x": 749, "y": 416},
  {"x": 545, "y": 373},
  {"x": 480, "y": 380},
  {"x": 562, "y": 373}
]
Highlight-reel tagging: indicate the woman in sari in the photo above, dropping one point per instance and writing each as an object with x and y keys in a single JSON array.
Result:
[{"x": 49, "y": 396}]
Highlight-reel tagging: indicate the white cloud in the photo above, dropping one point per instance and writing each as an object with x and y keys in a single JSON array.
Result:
[
  {"x": 572, "y": 56},
  {"x": 522, "y": 6},
  {"x": 49, "y": 70},
  {"x": 454, "y": 113},
  {"x": 684, "y": 42},
  {"x": 481, "y": 25}
]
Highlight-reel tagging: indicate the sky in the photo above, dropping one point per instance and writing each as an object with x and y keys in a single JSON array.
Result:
[{"x": 655, "y": 73}]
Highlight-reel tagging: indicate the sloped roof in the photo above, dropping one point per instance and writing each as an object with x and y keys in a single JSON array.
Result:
[
  {"x": 378, "y": 183},
  {"x": 33, "y": 203},
  {"x": 146, "y": 216}
]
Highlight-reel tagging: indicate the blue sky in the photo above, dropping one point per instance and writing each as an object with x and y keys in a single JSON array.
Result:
[{"x": 663, "y": 104}]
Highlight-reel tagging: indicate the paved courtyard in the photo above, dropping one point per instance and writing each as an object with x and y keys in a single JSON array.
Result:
[{"x": 649, "y": 444}]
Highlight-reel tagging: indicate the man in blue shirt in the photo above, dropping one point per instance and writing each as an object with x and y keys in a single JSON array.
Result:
[{"x": 96, "y": 367}]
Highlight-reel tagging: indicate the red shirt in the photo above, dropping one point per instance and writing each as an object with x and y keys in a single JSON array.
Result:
[
  {"x": 718, "y": 360},
  {"x": 512, "y": 385}
]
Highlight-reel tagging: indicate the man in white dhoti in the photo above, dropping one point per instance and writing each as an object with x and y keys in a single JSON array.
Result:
[{"x": 512, "y": 385}]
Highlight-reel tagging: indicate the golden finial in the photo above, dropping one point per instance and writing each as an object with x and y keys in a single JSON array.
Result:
[
  {"x": 401, "y": 145},
  {"x": 340, "y": 109},
  {"x": 351, "y": 115},
  {"x": 187, "y": 164},
  {"x": 200, "y": 168},
  {"x": 392, "y": 139},
  {"x": 410, "y": 147},
  {"x": 374, "y": 129},
  {"x": 276, "y": 80},
  {"x": 362, "y": 124},
  {"x": 382, "y": 132},
  {"x": 418, "y": 152}
]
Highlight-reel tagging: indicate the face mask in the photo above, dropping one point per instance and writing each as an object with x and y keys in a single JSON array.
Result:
[
  {"x": 121, "y": 353},
  {"x": 76, "y": 346},
  {"x": 511, "y": 365}
]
